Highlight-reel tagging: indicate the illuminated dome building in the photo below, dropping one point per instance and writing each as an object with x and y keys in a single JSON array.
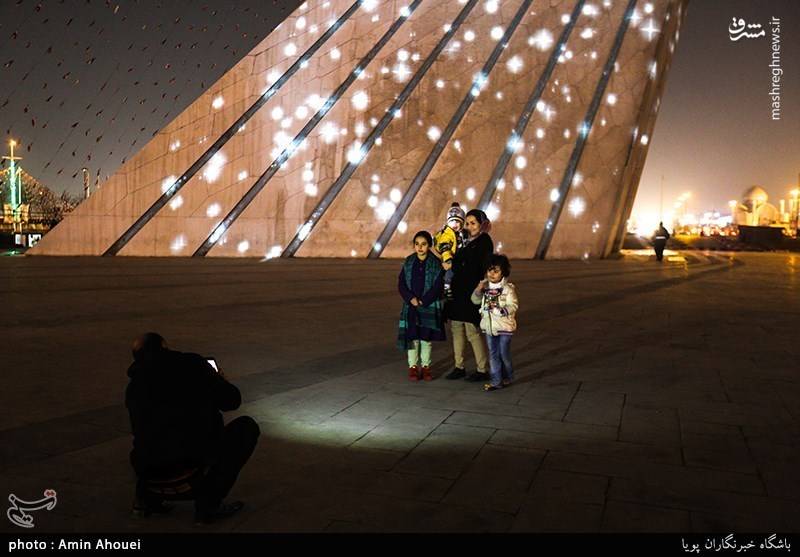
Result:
[
  {"x": 355, "y": 124},
  {"x": 754, "y": 210}
]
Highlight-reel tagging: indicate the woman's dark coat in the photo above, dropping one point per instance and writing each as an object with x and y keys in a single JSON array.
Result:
[{"x": 469, "y": 268}]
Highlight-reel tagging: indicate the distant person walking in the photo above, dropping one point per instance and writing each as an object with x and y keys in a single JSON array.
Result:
[{"x": 660, "y": 241}]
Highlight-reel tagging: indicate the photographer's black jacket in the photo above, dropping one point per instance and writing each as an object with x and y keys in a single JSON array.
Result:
[{"x": 175, "y": 403}]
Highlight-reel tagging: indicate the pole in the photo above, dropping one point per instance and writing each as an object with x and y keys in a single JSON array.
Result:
[
  {"x": 85, "y": 182},
  {"x": 15, "y": 183}
]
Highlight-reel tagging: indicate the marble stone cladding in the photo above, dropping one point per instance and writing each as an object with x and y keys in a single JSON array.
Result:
[{"x": 566, "y": 44}]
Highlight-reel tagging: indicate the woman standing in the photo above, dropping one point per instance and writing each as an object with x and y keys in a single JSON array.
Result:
[{"x": 469, "y": 268}]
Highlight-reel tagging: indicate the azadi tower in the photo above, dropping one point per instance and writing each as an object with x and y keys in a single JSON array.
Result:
[{"x": 353, "y": 125}]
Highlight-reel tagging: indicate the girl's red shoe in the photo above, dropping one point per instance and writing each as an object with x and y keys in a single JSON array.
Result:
[
  {"x": 426, "y": 373},
  {"x": 413, "y": 373}
]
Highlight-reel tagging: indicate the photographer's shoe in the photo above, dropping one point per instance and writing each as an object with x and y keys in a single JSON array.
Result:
[
  {"x": 223, "y": 511},
  {"x": 144, "y": 510}
]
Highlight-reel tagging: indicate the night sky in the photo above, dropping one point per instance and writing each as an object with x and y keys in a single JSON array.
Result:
[
  {"x": 715, "y": 135},
  {"x": 88, "y": 83}
]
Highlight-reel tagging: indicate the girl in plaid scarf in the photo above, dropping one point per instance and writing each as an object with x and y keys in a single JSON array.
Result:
[{"x": 421, "y": 322}]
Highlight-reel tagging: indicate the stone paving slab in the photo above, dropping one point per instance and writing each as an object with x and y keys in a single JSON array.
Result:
[
  {"x": 636, "y": 467},
  {"x": 667, "y": 455},
  {"x": 497, "y": 479},
  {"x": 648, "y": 397},
  {"x": 551, "y": 427},
  {"x": 581, "y": 488}
]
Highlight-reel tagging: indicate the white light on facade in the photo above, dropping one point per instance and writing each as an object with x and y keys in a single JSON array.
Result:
[
  {"x": 167, "y": 183},
  {"x": 315, "y": 102},
  {"x": 542, "y": 40},
  {"x": 650, "y": 29},
  {"x": 356, "y": 153},
  {"x": 274, "y": 251},
  {"x": 514, "y": 64},
  {"x": 492, "y": 211},
  {"x": 304, "y": 231},
  {"x": 360, "y": 100},
  {"x": 577, "y": 206},
  {"x": 178, "y": 243},
  {"x": 401, "y": 72},
  {"x": 214, "y": 167},
  {"x": 385, "y": 210},
  {"x": 213, "y": 210},
  {"x": 329, "y": 133}
]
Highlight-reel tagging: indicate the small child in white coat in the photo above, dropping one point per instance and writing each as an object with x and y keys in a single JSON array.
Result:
[{"x": 499, "y": 304}]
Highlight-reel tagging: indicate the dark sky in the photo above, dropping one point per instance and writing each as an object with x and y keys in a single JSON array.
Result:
[
  {"x": 715, "y": 135},
  {"x": 88, "y": 82}
]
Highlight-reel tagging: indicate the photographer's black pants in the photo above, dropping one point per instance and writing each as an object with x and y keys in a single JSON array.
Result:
[
  {"x": 238, "y": 442},
  {"x": 216, "y": 475}
]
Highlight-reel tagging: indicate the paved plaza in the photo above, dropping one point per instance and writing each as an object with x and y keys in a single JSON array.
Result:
[{"x": 649, "y": 397}]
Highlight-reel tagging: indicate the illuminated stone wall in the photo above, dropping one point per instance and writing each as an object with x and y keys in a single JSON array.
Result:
[{"x": 445, "y": 84}]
